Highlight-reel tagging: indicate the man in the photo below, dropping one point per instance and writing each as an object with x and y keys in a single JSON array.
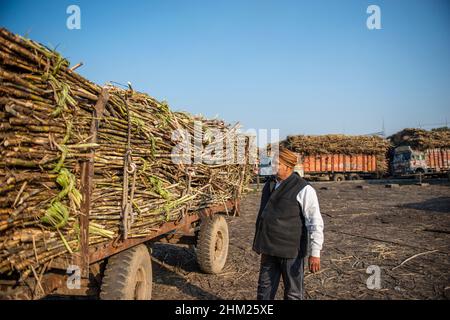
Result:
[{"x": 288, "y": 228}]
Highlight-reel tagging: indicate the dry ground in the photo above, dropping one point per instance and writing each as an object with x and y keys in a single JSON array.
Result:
[{"x": 374, "y": 226}]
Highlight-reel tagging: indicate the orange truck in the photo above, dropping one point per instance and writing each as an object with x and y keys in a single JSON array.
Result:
[{"x": 338, "y": 167}]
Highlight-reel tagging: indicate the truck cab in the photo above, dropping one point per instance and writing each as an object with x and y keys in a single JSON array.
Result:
[
  {"x": 408, "y": 161},
  {"x": 265, "y": 167}
]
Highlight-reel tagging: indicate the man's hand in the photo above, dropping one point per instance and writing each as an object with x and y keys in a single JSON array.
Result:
[{"x": 314, "y": 264}]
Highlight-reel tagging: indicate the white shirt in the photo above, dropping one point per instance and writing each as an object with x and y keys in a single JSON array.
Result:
[{"x": 307, "y": 198}]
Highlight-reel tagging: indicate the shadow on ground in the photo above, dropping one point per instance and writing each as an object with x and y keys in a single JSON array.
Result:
[
  {"x": 440, "y": 204},
  {"x": 171, "y": 266}
]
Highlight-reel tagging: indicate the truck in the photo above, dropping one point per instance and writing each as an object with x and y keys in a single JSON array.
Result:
[
  {"x": 407, "y": 161},
  {"x": 339, "y": 157},
  {"x": 338, "y": 167}
]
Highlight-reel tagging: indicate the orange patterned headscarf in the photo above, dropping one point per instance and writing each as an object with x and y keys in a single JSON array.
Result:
[{"x": 287, "y": 157}]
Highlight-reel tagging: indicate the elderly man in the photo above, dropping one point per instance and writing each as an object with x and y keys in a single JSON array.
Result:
[{"x": 288, "y": 228}]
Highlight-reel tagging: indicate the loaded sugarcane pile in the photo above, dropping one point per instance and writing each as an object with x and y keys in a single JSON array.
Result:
[
  {"x": 421, "y": 139},
  {"x": 340, "y": 144},
  {"x": 53, "y": 120}
]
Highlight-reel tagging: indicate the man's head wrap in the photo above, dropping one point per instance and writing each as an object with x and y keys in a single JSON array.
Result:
[{"x": 287, "y": 157}]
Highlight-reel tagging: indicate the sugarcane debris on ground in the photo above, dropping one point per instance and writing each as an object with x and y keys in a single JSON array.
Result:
[
  {"x": 52, "y": 119},
  {"x": 404, "y": 231}
]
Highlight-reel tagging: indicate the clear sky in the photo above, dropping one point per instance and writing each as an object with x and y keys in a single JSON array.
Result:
[{"x": 305, "y": 67}]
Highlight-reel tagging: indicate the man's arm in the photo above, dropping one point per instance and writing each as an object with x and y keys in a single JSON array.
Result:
[{"x": 307, "y": 198}]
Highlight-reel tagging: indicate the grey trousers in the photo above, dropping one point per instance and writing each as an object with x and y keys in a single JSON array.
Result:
[{"x": 272, "y": 268}]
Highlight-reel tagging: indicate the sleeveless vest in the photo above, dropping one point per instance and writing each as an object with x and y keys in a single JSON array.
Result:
[{"x": 280, "y": 226}]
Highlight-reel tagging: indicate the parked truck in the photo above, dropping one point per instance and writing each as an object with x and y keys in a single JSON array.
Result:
[
  {"x": 339, "y": 157},
  {"x": 338, "y": 167},
  {"x": 408, "y": 161}
]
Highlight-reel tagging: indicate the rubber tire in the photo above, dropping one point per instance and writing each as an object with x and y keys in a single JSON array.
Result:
[
  {"x": 419, "y": 171},
  {"x": 354, "y": 177},
  {"x": 120, "y": 278},
  {"x": 338, "y": 177},
  {"x": 213, "y": 231}
]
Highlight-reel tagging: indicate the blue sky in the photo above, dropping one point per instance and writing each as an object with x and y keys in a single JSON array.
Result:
[{"x": 305, "y": 67}]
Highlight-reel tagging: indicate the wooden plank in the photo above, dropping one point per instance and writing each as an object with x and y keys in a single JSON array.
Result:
[{"x": 87, "y": 176}]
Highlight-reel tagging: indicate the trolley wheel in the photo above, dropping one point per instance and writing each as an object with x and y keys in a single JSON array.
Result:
[
  {"x": 212, "y": 244},
  {"x": 128, "y": 275}
]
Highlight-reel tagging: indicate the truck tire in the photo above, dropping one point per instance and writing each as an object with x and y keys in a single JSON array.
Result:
[
  {"x": 128, "y": 275},
  {"x": 212, "y": 244},
  {"x": 354, "y": 176},
  {"x": 419, "y": 174},
  {"x": 338, "y": 177},
  {"x": 419, "y": 171}
]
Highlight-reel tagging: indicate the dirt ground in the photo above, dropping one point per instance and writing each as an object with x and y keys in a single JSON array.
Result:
[{"x": 405, "y": 231}]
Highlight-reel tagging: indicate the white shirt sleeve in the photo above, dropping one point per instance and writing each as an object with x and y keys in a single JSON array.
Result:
[{"x": 307, "y": 198}]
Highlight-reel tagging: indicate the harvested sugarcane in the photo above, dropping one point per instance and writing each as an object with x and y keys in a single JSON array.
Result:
[
  {"x": 47, "y": 114},
  {"x": 421, "y": 139}
]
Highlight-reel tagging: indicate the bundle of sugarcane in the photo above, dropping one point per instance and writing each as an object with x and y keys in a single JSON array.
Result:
[
  {"x": 340, "y": 144},
  {"x": 336, "y": 143},
  {"x": 47, "y": 113},
  {"x": 422, "y": 139}
]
